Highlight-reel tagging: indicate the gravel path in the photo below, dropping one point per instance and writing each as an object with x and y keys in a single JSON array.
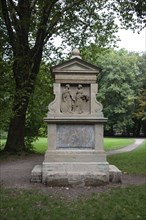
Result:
[{"x": 16, "y": 174}]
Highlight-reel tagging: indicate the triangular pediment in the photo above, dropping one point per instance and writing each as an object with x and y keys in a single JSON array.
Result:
[{"x": 77, "y": 65}]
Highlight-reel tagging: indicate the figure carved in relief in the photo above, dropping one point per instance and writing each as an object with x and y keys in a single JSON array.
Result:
[
  {"x": 67, "y": 100},
  {"x": 80, "y": 100}
]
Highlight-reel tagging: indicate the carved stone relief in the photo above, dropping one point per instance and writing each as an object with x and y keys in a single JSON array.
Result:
[
  {"x": 75, "y": 136},
  {"x": 75, "y": 99},
  {"x": 67, "y": 100}
]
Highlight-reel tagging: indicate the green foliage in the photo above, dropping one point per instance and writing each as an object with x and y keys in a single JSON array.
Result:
[
  {"x": 117, "y": 94},
  {"x": 127, "y": 11},
  {"x": 27, "y": 36},
  {"x": 26, "y": 204},
  {"x": 139, "y": 114},
  {"x": 121, "y": 87},
  {"x": 38, "y": 106},
  {"x": 140, "y": 111},
  {"x": 132, "y": 162},
  {"x": 6, "y": 92}
]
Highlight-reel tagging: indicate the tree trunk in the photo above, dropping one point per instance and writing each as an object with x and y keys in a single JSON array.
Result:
[
  {"x": 137, "y": 127},
  {"x": 25, "y": 71},
  {"x": 27, "y": 61},
  {"x": 16, "y": 133},
  {"x": 23, "y": 91},
  {"x": 144, "y": 127}
]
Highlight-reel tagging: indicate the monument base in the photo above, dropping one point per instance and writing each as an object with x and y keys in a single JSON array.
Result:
[{"x": 76, "y": 174}]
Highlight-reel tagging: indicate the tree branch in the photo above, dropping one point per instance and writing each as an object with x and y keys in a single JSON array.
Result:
[
  {"x": 40, "y": 36},
  {"x": 57, "y": 18},
  {"x": 45, "y": 33},
  {"x": 32, "y": 5},
  {"x": 14, "y": 7},
  {"x": 8, "y": 24},
  {"x": 71, "y": 5}
]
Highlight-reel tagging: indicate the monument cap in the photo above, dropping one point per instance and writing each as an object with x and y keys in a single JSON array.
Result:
[{"x": 76, "y": 53}]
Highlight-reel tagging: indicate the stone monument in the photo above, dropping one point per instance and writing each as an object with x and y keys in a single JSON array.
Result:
[{"x": 75, "y": 154}]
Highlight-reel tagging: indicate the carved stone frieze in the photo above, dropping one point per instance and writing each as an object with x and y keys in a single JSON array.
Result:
[
  {"x": 75, "y": 99},
  {"x": 67, "y": 100}
]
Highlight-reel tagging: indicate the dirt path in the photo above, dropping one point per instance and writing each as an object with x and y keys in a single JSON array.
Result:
[{"x": 16, "y": 174}]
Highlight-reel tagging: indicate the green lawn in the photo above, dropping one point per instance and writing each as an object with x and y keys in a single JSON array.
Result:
[
  {"x": 40, "y": 145},
  {"x": 133, "y": 162},
  {"x": 116, "y": 204},
  {"x": 115, "y": 143},
  {"x": 2, "y": 142}
]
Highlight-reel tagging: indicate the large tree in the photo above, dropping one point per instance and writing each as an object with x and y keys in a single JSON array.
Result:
[
  {"x": 117, "y": 92},
  {"x": 32, "y": 24},
  {"x": 139, "y": 114},
  {"x": 121, "y": 88}
]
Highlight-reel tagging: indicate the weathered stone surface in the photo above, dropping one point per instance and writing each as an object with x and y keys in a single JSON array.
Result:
[
  {"x": 53, "y": 106},
  {"x": 96, "y": 107},
  {"x": 36, "y": 174},
  {"x": 82, "y": 156},
  {"x": 76, "y": 172},
  {"x": 57, "y": 180},
  {"x": 96, "y": 180},
  {"x": 75, "y": 71},
  {"x": 75, "y": 99},
  {"x": 75, "y": 136},
  {"x": 76, "y": 179},
  {"x": 75, "y": 89},
  {"x": 115, "y": 175}
]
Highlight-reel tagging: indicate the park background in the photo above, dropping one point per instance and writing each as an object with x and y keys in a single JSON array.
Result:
[
  {"x": 31, "y": 43},
  {"x": 122, "y": 91}
]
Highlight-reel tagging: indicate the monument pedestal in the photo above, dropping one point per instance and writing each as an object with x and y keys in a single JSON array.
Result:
[
  {"x": 75, "y": 173},
  {"x": 75, "y": 154}
]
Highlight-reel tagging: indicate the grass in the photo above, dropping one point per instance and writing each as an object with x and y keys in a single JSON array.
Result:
[
  {"x": 116, "y": 204},
  {"x": 40, "y": 145},
  {"x": 133, "y": 162},
  {"x": 116, "y": 143},
  {"x": 111, "y": 205},
  {"x": 2, "y": 143}
]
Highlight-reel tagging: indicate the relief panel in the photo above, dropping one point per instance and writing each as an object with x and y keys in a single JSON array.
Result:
[
  {"x": 75, "y": 136},
  {"x": 75, "y": 99}
]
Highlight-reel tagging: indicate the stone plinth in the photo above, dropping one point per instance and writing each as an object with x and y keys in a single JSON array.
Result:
[{"x": 75, "y": 154}]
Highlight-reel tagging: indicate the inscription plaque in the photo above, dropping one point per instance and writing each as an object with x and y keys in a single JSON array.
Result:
[{"x": 75, "y": 136}]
